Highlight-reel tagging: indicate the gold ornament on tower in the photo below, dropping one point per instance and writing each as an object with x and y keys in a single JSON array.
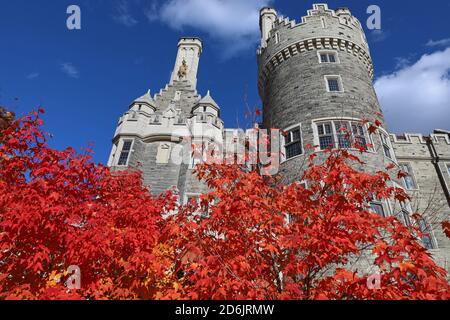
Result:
[{"x": 182, "y": 72}]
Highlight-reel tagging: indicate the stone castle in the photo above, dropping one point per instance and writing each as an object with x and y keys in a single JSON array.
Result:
[{"x": 315, "y": 78}]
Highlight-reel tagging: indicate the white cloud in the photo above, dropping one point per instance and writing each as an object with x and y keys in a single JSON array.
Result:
[
  {"x": 69, "y": 69},
  {"x": 438, "y": 43},
  {"x": 378, "y": 35},
  {"x": 233, "y": 23},
  {"x": 32, "y": 76},
  {"x": 123, "y": 15},
  {"x": 416, "y": 98},
  {"x": 152, "y": 12}
]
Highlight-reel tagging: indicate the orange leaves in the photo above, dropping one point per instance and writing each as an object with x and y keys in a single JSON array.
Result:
[{"x": 407, "y": 267}]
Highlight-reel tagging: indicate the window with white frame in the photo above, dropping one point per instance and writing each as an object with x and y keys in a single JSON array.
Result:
[
  {"x": 377, "y": 207},
  {"x": 427, "y": 239},
  {"x": 405, "y": 214},
  {"x": 359, "y": 135},
  {"x": 342, "y": 134},
  {"x": 328, "y": 57},
  {"x": 293, "y": 143},
  {"x": 334, "y": 84},
  {"x": 386, "y": 145},
  {"x": 410, "y": 182},
  {"x": 125, "y": 153},
  {"x": 326, "y": 135}
]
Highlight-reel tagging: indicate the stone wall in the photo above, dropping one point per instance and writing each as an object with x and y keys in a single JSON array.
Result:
[{"x": 432, "y": 178}]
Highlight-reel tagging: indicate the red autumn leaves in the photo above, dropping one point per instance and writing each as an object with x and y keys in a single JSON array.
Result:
[{"x": 249, "y": 238}]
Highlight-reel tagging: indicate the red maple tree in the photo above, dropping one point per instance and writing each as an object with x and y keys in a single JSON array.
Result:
[
  {"x": 58, "y": 209},
  {"x": 249, "y": 238}
]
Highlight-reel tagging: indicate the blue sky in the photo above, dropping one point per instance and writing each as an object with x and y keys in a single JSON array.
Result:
[{"x": 86, "y": 79}]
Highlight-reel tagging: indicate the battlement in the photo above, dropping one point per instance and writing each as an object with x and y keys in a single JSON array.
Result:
[
  {"x": 320, "y": 17},
  {"x": 191, "y": 41},
  {"x": 419, "y": 138},
  {"x": 321, "y": 29}
]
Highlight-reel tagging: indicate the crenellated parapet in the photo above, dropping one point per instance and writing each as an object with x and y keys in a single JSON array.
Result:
[
  {"x": 321, "y": 28},
  {"x": 419, "y": 138},
  {"x": 319, "y": 21}
]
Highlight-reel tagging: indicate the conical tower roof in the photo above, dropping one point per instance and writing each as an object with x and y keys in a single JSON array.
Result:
[
  {"x": 209, "y": 100},
  {"x": 146, "y": 98}
]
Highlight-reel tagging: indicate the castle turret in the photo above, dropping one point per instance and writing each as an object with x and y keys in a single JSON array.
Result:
[
  {"x": 315, "y": 81},
  {"x": 206, "y": 123},
  {"x": 266, "y": 22},
  {"x": 144, "y": 103}
]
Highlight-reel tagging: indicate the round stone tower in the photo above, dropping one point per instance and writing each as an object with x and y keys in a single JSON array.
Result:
[{"x": 315, "y": 81}]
